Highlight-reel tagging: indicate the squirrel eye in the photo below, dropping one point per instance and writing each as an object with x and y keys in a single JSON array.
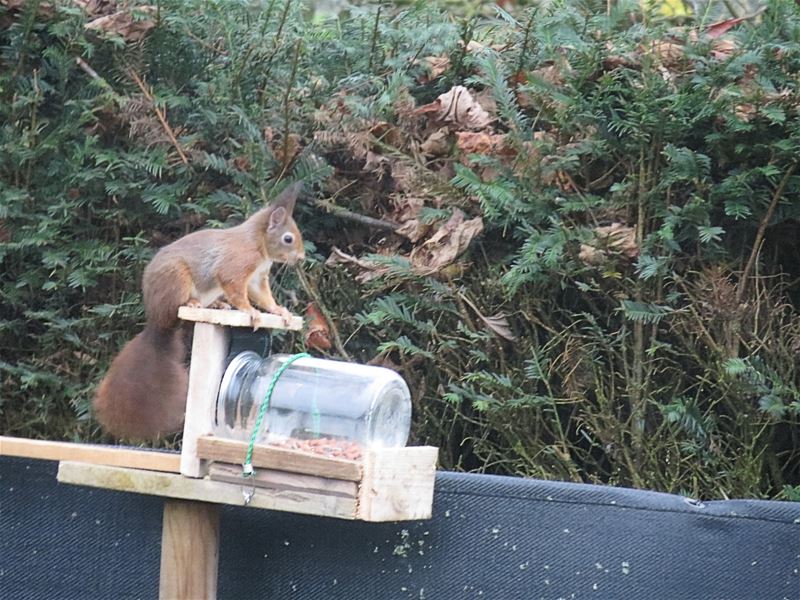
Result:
[{"x": 288, "y": 238}]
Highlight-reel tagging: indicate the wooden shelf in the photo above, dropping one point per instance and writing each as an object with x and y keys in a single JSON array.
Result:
[
  {"x": 237, "y": 318},
  {"x": 117, "y": 456},
  {"x": 171, "y": 485}
]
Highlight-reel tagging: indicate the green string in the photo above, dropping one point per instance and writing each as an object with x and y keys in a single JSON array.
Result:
[{"x": 247, "y": 470}]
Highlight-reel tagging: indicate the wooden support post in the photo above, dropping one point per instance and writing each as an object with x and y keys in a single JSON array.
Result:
[
  {"x": 189, "y": 551},
  {"x": 209, "y": 349}
]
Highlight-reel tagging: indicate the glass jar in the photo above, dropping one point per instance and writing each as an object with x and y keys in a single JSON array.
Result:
[{"x": 321, "y": 405}]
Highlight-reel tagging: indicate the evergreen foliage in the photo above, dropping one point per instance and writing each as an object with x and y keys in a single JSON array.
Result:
[{"x": 629, "y": 314}]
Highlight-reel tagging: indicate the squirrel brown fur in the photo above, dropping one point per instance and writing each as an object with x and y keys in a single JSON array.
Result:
[{"x": 143, "y": 395}]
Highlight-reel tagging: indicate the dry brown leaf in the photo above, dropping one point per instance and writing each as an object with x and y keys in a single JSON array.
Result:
[
  {"x": 671, "y": 54},
  {"x": 375, "y": 163},
  {"x": 458, "y": 107},
  {"x": 619, "y": 237},
  {"x": 616, "y": 238},
  {"x": 405, "y": 176},
  {"x": 387, "y": 134},
  {"x": 242, "y": 163},
  {"x": 413, "y": 229},
  {"x": 318, "y": 334},
  {"x": 405, "y": 207},
  {"x": 471, "y": 142},
  {"x": 499, "y": 325},
  {"x": 723, "y": 48},
  {"x": 450, "y": 240},
  {"x": 437, "y": 65},
  {"x": 97, "y": 7},
  {"x": 745, "y": 111},
  {"x": 476, "y": 47},
  {"x": 44, "y": 10},
  {"x": 437, "y": 144},
  {"x": 130, "y": 24},
  {"x": 405, "y": 210},
  {"x": 717, "y": 29},
  {"x": 286, "y": 151},
  {"x": 551, "y": 74},
  {"x": 496, "y": 323},
  {"x": 589, "y": 255}
]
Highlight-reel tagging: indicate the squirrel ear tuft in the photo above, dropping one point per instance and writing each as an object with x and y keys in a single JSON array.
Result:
[
  {"x": 277, "y": 217},
  {"x": 287, "y": 197}
]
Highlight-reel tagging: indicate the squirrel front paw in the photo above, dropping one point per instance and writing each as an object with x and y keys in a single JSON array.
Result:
[
  {"x": 283, "y": 313},
  {"x": 255, "y": 318}
]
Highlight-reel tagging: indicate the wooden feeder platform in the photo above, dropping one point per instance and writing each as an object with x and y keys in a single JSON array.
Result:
[{"x": 391, "y": 484}]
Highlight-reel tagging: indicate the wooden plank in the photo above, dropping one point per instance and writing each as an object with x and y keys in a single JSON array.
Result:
[
  {"x": 177, "y": 486},
  {"x": 189, "y": 551},
  {"x": 237, "y": 318},
  {"x": 209, "y": 348},
  {"x": 279, "y": 459},
  {"x": 398, "y": 484},
  {"x": 116, "y": 456},
  {"x": 281, "y": 480}
]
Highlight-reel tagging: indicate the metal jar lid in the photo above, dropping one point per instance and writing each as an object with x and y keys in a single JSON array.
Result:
[{"x": 232, "y": 381}]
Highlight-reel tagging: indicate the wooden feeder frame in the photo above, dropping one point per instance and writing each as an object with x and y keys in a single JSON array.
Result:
[{"x": 391, "y": 484}]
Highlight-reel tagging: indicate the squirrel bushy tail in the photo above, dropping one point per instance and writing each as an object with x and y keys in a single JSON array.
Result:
[{"x": 143, "y": 396}]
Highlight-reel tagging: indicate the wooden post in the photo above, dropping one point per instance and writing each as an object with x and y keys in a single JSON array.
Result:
[
  {"x": 209, "y": 349},
  {"x": 189, "y": 551}
]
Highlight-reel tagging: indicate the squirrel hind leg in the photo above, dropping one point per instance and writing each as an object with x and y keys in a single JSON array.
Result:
[{"x": 220, "y": 304}]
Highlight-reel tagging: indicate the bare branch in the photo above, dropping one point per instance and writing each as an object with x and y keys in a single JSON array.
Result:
[
  {"x": 762, "y": 229},
  {"x": 160, "y": 114}
]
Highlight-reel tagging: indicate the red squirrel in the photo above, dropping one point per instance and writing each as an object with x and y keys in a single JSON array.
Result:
[{"x": 143, "y": 395}]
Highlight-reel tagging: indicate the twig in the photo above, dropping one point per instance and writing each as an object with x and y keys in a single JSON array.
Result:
[
  {"x": 278, "y": 39},
  {"x": 160, "y": 114},
  {"x": 87, "y": 68},
  {"x": 343, "y": 213},
  {"x": 374, "y": 38},
  {"x": 287, "y": 117},
  {"x": 691, "y": 306},
  {"x": 253, "y": 46},
  {"x": 762, "y": 229},
  {"x": 204, "y": 43}
]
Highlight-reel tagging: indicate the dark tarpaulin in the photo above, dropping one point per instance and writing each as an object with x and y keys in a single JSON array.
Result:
[{"x": 491, "y": 537}]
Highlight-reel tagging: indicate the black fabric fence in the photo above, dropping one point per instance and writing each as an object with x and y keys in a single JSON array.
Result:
[{"x": 490, "y": 538}]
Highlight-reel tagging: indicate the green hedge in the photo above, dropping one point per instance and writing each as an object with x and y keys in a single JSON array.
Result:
[{"x": 595, "y": 280}]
